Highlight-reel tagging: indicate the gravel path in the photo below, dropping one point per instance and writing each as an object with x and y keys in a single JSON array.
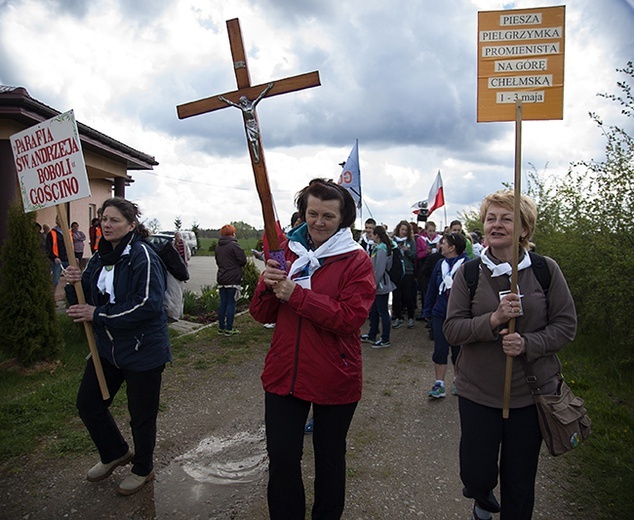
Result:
[{"x": 211, "y": 464}]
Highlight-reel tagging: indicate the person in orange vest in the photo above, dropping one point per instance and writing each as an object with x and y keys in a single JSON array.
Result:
[
  {"x": 95, "y": 235},
  {"x": 56, "y": 252}
]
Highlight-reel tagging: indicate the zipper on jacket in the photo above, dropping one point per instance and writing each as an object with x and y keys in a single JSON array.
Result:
[
  {"x": 296, "y": 361},
  {"x": 112, "y": 343},
  {"x": 343, "y": 358}
]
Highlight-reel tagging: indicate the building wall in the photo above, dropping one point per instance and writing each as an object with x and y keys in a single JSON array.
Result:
[{"x": 81, "y": 211}]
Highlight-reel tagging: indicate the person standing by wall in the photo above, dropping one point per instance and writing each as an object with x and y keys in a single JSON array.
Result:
[
  {"x": 79, "y": 237},
  {"x": 124, "y": 285},
  {"x": 56, "y": 252},
  {"x": 95, "y": 235},
  {"x": 230, "y": 258}
]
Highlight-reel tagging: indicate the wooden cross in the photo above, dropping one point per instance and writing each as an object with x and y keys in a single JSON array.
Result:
[{"x": 246, "y": 98}]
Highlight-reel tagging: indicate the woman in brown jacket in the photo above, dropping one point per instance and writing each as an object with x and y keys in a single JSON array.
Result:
[
  {"x": 545, "y": 323},
  {"x": 230, "y": 258}
]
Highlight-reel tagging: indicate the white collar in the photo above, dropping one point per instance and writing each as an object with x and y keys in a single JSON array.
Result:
[
  {"x": 503, "y": 268},
  {"x": 105, "y": 283},
  {"x": 448, "y": 274},
  {"x": 339, "y": 243}
]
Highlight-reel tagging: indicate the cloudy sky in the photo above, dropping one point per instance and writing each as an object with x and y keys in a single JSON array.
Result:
[{"x": 398, "y": 76}]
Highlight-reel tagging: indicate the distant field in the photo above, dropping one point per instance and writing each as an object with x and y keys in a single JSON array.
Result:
[{"x": 245, "y": 243}]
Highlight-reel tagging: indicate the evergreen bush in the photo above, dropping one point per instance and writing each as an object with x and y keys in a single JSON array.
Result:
[
  {"x": 29, "y": 327},
  {"x": 250, "y": 277}
]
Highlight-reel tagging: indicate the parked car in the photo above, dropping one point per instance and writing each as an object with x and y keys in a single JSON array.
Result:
[
  {"x": 188, "y": 236},
  {"x": 159, "y": 240}
]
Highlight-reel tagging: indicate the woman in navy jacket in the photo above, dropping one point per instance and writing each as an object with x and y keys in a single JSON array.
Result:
[{"x": 124, "y": 284}]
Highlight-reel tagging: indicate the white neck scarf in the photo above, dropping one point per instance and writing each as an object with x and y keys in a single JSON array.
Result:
[
  {"x": 339, "y": 243},
  {"x": 504, "y": 268},
  {"x": 105, "y": 283},
  {"x": 447, "y": 274}
]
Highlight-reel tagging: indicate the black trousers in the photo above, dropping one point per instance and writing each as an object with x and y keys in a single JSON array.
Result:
[
  {"x": 285, "y": 417},
  {"x": 404, "y": 296},
  {"x": 143, "y": 391},
  {"x": 516, "y": 441}
]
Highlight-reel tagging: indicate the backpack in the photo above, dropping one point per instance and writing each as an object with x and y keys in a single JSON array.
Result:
[
  {"x": 396, "y": 270},
  {"x": 171, "y": 259},
  {"x": 176, "y": 273},
  {"x": 538, "y": 264}
]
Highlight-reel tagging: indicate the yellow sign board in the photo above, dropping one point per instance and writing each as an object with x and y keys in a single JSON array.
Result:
[{"x": 521, "y": 56}]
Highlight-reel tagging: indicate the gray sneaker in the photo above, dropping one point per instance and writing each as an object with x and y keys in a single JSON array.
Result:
[
  {"x": 101, "y": 471},
  {"x": 397, "y": 324},
  {"x": 382, "y": 344},
  {"x": 410, "y": 323}
]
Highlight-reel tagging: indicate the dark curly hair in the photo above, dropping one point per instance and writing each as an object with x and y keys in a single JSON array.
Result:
[
  {"x": 325, "y": 189},
  {"x": 130, "y": 212}
]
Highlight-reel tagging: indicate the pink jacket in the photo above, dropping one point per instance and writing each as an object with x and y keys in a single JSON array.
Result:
[{"x": 315, "y": 354}]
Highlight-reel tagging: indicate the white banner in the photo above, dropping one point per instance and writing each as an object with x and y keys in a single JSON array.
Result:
[{"x": 49, "y": 163}]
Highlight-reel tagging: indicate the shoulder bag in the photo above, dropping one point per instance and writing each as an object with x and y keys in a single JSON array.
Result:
[{"x": 563, "y": 419}]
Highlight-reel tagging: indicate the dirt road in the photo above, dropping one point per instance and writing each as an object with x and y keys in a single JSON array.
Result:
[{"x": 211, "y": 463}]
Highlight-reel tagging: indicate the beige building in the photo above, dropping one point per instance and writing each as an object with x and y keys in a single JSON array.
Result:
[{"x": 108, "y": 162}]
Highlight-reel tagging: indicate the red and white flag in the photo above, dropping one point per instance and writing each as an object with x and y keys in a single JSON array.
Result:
[{"x": 436, "y": 198}]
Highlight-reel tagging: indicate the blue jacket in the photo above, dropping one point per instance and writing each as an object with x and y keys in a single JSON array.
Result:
[
  {"x": 436, "y": 304},
  {"x": 131, "y": 333}
]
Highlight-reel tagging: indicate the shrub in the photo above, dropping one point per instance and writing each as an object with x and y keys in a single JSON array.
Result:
[
  {"x": 250, "y": 277},
  {"x": 29, "y": 328}
]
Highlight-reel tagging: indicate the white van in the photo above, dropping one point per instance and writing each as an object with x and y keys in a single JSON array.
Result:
[{"x": 188, "y": 236}]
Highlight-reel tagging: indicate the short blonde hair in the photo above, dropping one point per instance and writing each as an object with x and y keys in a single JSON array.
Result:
[{"x": 506, "y": 199}]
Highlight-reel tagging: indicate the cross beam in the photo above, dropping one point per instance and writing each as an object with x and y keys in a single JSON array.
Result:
[{"x": 246, "y": 98}]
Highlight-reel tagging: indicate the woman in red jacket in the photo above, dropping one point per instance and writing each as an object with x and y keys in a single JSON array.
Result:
[{"x": 315, "y": 355}]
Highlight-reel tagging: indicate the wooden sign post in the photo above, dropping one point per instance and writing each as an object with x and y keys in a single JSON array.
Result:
[
  {"x": 51, "y": 171},
  {"x": 520, "y": 77},
  {"x": 246, "y": 98}
]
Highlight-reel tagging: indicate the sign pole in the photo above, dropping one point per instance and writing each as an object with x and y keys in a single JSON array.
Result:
[
  {"x": 51, "y": 171},
  {"x": 508, "y": 376},
  {"x": 81, "y": 298}
]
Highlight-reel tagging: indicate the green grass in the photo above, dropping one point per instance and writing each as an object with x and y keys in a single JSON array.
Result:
[
  {"x": 37, "y": 408},
  {"x": 245, "y": 243},
  {"x": 602, "y": 469}
]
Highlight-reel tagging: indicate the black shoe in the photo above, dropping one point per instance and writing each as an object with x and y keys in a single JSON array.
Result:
[
  {"x": 487, "y": 502},
  {"x": 474, "y": 515}
]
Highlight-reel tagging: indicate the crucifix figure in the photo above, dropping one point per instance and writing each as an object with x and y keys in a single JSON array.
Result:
[
  {"x": 250, "y": 120},
  {"x": 241, "y": 99}
]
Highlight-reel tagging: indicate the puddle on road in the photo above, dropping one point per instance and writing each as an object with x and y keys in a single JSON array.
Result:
[{"x": 212, "y": 475}]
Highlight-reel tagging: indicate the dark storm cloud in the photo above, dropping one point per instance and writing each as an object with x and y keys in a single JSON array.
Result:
[{"x": 391, "y": 77}]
